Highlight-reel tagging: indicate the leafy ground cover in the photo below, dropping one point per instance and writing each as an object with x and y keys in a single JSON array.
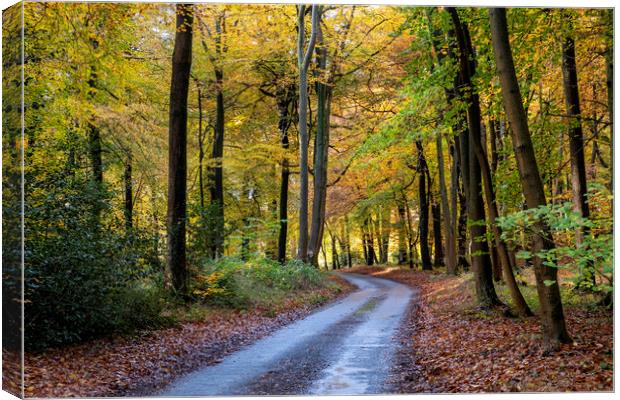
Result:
[
  {"x": 454, "y": 347},
  {"x": 142, "y": 363}
]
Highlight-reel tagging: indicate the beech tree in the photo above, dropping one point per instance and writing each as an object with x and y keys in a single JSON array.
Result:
[
  {"x": 303, "y": 62},
  {"x": 553, "y": 323},
  {"x": 475, "y": 205},
  {"x": 177, "y": 150}
]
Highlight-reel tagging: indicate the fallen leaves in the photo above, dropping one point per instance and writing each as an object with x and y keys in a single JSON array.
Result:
[
  {"x": 455, "y": 348},
  {"x": 140, "y": 365}
]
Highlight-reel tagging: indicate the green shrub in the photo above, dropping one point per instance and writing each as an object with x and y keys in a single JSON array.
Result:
[
  {"x": 83, "y": 275},
  {"x": 593, "y": 256},
  {"x": 232, "y": 282}
]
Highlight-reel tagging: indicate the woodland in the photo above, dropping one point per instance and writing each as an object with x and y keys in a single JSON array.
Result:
[{"x": 203, "y": 162}]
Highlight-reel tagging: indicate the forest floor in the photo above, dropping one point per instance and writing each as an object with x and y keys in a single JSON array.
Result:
[
  {"x": 451, "y": 346},
  {"x": 141, "y": 364}
]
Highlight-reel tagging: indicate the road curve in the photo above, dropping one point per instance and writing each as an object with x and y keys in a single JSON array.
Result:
[{"x": 345, "y": 348}]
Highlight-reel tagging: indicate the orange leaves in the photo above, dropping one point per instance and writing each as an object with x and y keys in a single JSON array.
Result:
[
  {"x": 460, "y": 349},
  {"x": 142, "y": 364}
]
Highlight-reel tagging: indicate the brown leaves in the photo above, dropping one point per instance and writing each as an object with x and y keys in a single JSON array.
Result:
[
  {"x": 460, "y": 349},
  {"x": 140, "y": 365}
]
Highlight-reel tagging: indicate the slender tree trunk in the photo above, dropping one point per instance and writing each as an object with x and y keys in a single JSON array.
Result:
[
  {"x": 217, "y": 176},
  {"x": 94, "y": 150},
  {"x": 552, "y": 314},
  {"x": 177, "y": 167},
  {"x": 303, "y": 60},
  {"x": 364, "y": 245},
  {"x": 436, "y": 212},
  {"x": 127, "y": 177},
  {"x": 385, "y": 230},
  {"x": 284, "y": 99},
  {"x": 481, "y": 260},
  {"x": 575, "y": 134},
  {"x": 449, "y": 222},
  {"x": 423, "y": 199},
  {"x": 451, "y": 260},
  {"x": 94, "y": 135},
  {"x": 409, "y": 231},
  {"x": 576, "y": 145},
  {"x": 201, "y": 153},
  {"x": 502, "y": 259},
  {"x": 462, "y": 228},
  {"x": 332, "y": 239},
  {"x": 609, "y": 81},
  {"x": 321, "y": 144},
  {"x": 402, "y": 246},
  {"x": 348, "y": 241}
]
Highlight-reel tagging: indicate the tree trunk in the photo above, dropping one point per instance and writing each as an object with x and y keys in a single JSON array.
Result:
[
  {"x": 409, "y": 231},
  {"x": 502, "y": 259},
  {"x": 449, "y": 222},
  {"x": 348, "y": 241},
  {"x": 462, "y": 227},
  {"x": 332, "y": 239},
  {"x": 385, "y": 229},
  {"x": 402, "y": 247},
  {"x": 201, "y": 153},
  {"x": 177, "y": 148},
  {"x": 481, "y": 260},
  {"x": 575, "y": 134},
  {"x": 552, "y": 314},
  {"x": 423, "y": 199},
  {"x": 576, "y": 146},
  {"x": 284, "y": 100},
  {"x": 609, "y": 81},
  {"x": 216, "y": 186},
  {"x": 436, "y": 212},
  {"x": 303, "y": 60},
  {"x": 127, "y": 177},
  {"x": 451, "y": 256},
  {"x": 321, "y": 146}
]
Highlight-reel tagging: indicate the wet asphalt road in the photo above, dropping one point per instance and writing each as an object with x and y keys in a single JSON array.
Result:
[{"x": 344, "y": 348}]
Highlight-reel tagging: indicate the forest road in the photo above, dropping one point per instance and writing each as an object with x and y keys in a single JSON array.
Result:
[{"x": 344, "y": 348}]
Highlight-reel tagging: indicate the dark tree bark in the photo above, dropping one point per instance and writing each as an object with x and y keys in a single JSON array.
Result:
[
  {"x": 609, "y": 81},
  {"x": 481, "y": 260},
  {"x": 422, "y": 169},
  {"x": 216, "y": 181},
  {"x": 94, "y": 135},
  {"x": 128, "y": 211},
  {"x": 575, "y": 133},
  {"x": 335, "y": 262},
  {"x": 552, "y": 313},
  {"x": 368, "y": 242},
  {"x": 303, "y": 60},
  {"x": 462, "y": 222},
  {"x": 402, "y": 226},
  {"x": 502, "y": 258},
  {"x": 201, "y": 154},
  {"x": 321, "y": 144},
  {"x": 385, "y": 230},
  {"x": 436, "y": 212},
  {"x": 347, "y": 241},
  {"x": 410, "y": 242},
  {"x": 177, "y": 148},
  {"x": 284, "y": 97},
  {"x": 449, "y": 221}
]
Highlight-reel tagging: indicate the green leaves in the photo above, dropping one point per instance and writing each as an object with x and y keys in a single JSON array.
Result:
[{"x": 594, "y": 255}]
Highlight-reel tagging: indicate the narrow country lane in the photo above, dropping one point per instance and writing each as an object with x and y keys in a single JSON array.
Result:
[{"x": 345, "y": 348}]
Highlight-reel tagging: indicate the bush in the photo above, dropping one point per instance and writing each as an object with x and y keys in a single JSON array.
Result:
[
  {"x": 83, "y": 276},
  {"x": 259, "y": 282},
  {"x": 593, "y": 256}
]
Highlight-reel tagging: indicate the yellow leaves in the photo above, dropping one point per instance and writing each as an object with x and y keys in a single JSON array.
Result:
[{"x": 209, "y": 285}]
